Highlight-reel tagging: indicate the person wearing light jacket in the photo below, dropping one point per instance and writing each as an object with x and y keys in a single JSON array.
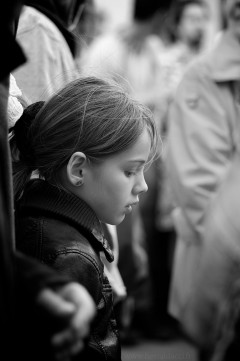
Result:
[{"x": 203, "y": 139}]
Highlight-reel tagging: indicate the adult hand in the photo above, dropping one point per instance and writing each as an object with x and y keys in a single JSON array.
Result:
[{"x": 72, "y": 306}]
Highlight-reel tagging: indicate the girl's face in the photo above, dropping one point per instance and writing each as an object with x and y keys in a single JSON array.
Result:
[{"x": 113, "y": 187}]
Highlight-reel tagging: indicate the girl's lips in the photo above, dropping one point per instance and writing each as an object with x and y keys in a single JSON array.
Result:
[{"x": 129, "y": 209}]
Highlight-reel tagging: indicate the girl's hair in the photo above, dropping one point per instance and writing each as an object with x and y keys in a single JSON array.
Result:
[{"x": 89, "y": 115}]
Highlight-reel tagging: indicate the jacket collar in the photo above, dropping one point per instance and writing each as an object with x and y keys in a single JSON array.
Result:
[
  {"x": 224, "y": 60},
  {"x": 41, "y": 195}
]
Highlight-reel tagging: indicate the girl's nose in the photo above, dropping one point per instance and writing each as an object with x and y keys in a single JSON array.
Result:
[{"x": 141, "y": 187}]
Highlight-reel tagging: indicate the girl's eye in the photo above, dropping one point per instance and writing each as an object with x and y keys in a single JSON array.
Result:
[{"x": 129, "y": 174}]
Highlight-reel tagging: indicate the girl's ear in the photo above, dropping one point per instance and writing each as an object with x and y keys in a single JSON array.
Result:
[{"x": 75, "y": 168}]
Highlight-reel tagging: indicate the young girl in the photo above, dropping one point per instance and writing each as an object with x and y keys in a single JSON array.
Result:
[{"x": 89, "y": 146}]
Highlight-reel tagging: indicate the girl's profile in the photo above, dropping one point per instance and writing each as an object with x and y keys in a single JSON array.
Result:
[{"x": 78, "y": 163}]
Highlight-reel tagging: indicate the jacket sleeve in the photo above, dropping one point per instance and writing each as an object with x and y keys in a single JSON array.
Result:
[
  {"x": 82, "y": 268},
  {"x": 199, "y": 144}
]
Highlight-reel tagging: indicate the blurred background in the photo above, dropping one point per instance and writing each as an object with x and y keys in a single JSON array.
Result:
[{"x": 119, "y": 12}]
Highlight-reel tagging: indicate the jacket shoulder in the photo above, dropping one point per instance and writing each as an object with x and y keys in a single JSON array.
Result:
[{"x": 62, "y": 246}]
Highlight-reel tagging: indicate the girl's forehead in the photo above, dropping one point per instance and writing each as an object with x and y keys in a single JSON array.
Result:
[{"x": 139, "y": 151}]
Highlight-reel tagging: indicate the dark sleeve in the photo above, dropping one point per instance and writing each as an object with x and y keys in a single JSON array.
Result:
[
  {"x": 33, "y": 325},
  {"x": 12, "y": 55},
  {"x": 15, "y": 56},
  {"x": 32, "y": 276}
]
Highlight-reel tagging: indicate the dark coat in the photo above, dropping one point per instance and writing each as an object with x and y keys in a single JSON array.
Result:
[{"x": 63, "y": 232}]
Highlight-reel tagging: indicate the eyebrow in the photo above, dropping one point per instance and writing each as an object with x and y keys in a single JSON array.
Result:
[{"x": 137, "y": 161}]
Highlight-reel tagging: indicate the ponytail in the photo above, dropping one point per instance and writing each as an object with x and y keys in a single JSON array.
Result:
[
  {"x": 21, "y": 150},
  {"x": 21, "y": 175}
]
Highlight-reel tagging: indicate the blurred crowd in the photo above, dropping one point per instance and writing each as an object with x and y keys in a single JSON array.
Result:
[{"x": 176, "y": 269}]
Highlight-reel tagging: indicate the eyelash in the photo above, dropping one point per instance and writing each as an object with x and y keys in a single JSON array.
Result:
[{"x": 129, "y": 174}]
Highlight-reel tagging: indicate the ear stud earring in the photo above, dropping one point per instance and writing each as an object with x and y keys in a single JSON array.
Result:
[{"x": 79, "y": 183}]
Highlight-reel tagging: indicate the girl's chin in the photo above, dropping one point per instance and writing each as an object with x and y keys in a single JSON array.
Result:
[
  {"x": 117, "y": 222},
  {"x": 114, "y": 222}
]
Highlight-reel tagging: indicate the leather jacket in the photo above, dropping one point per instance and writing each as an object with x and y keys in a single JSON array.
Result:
[{"x": 62, "y": 231}]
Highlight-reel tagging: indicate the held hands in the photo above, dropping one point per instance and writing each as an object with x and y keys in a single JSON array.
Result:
[{"x": 72, "y": 306}]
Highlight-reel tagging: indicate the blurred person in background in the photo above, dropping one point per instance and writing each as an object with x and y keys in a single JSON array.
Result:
[
  {"x": 203, "y": 141},
  {"x": 188, "y": 24},
  {"x": 131, "y": 55},
  {"x": 46, "y": 33},
  {"x": 187, "y": 31},
  {"x": 188, "y": 37},
  {"x": 92, "y": 24}
]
